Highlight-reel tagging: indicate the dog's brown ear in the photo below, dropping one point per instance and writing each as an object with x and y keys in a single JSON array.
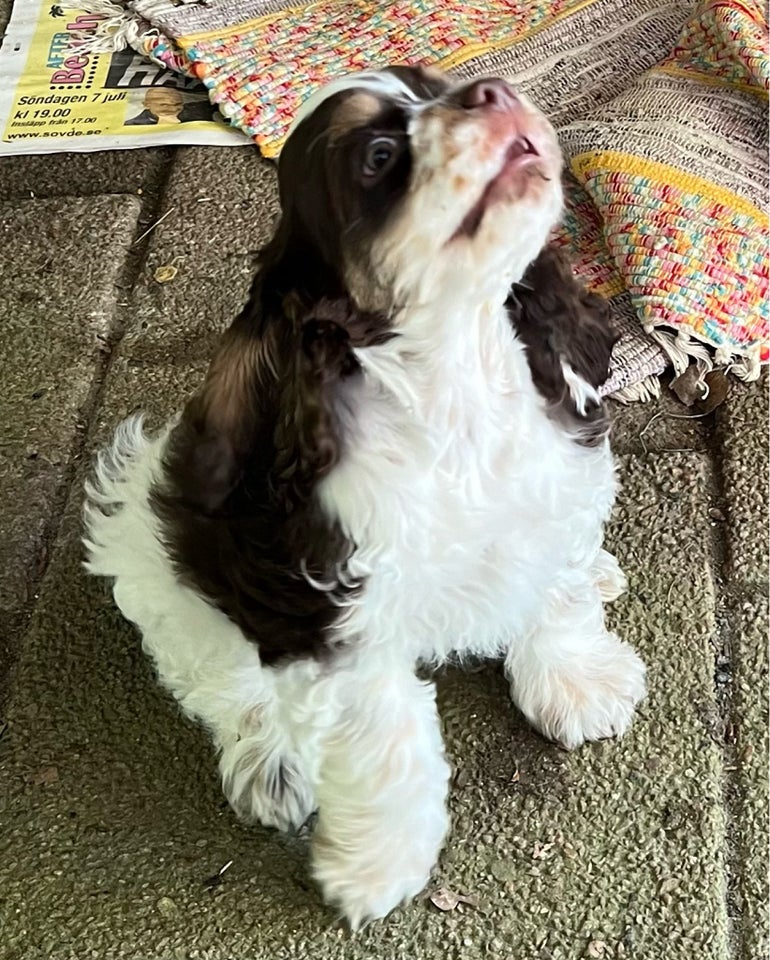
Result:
[
  {"x": 265, "y": 406},
  {"x": 560, "y": 321},
  {"x": 225, "y": 420}
]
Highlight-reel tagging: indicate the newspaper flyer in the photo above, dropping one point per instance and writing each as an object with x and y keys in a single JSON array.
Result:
[{"x": 54, "y": 97}]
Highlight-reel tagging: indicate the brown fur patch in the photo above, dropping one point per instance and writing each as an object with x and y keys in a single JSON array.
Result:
[
  {"x": 237, "y": 502},
  {"x": 559, "y": 320},
  {"x": 355, "y": 111}
]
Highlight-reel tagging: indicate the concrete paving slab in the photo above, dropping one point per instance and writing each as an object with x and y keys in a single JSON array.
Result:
[
  {"x": 218, "y": 210},
  {"x": 83, "y": 174},
  {"x": 57, "y": 308},
  {"x": 750, "y": 892},
  {"x": 742, "y": 428},
  {"x": 114, "y": 820},
  {"x": 741, "y": 455}
]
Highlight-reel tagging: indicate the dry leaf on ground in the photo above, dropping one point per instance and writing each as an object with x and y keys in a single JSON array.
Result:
[
  {"x": 446, "y": 900},
  {"x": 165, "y": 274}
]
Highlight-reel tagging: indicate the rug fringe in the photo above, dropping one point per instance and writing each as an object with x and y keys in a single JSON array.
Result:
[
  {"x": 643, "y": 390},
  {"x": 155, "y": 8},
  {"x": 683, "y": 348}
]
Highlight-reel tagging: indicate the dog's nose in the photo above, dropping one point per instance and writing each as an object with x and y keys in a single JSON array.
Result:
[{"x": 488, "y": 93}]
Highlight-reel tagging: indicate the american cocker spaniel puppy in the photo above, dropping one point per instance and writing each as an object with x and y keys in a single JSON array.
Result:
[{"x": 398, "y": 457}]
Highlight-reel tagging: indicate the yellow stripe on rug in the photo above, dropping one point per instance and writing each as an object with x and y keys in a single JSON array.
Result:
[{"x": 616, "y": 161}]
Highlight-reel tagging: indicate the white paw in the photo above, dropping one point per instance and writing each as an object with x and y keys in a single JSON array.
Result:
[
  {"x": 590, "y": 698},
  {"x": 268, "y": 789},
  {"x": 608, "y": 577},
  {"x": 365, "y": 883}
]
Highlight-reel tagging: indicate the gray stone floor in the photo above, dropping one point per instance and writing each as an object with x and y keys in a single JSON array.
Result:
[{"x": 652, "y": 848}]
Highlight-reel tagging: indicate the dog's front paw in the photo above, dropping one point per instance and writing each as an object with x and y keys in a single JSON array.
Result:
[
  {"x": 365, "y": 882},
  {"x": 270, "y": 790},
  {"x": 590, "y": 698}
]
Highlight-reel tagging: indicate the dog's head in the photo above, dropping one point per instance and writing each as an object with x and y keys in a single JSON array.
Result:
[
  {"x": 395, "y": 183},
  {"x": 399, "y": 189}
]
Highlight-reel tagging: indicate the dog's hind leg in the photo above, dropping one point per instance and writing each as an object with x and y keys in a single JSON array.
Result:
[{"x": 216, "y": 676}]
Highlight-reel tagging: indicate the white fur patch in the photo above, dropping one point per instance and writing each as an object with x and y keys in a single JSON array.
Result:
[
  {"x": 379, "y": 83},
  {"x": 580, "y": 390}
]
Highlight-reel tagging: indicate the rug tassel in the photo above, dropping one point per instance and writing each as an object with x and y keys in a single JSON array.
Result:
[{"x": 119, "y": 29}]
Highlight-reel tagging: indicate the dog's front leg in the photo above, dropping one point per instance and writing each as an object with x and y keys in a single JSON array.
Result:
[{"x": 382, "y": 793}]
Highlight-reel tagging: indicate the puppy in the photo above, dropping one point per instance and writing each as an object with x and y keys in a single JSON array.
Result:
[{"x": 398, "y": 456}]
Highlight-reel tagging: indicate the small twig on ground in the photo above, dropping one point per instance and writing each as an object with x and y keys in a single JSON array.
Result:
[
  {"x": 154, "y": 225},
  {"x": 670, "y": 591},
  {"x": 211, "y": 883},
  {"x": 671, "y": 416}
]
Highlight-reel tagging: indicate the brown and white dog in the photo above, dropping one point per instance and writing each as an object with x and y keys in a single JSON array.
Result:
[{"x": 398, "y": 456}]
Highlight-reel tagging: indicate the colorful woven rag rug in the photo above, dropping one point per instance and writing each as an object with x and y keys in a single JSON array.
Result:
[
  {"x": 664, "y": 128},
  {"x": 677, "y": 168}
]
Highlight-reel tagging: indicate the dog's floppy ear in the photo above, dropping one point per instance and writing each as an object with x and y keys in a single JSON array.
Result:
[
  {"x": 222, "y": 421},
  {"x": 561, "y": 322},
  {"x": 264, "y": 408}
]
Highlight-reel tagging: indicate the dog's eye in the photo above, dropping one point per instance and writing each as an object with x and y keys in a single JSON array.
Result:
[{"x": 380, "y": 153}]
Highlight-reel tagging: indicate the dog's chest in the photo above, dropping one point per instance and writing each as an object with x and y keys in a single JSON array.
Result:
[{"x": 458, "y": 515}]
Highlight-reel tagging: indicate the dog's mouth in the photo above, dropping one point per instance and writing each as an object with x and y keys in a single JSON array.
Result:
[
  {"x": 520, "y": 155},
  {"x": 522, "y": 150}
]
